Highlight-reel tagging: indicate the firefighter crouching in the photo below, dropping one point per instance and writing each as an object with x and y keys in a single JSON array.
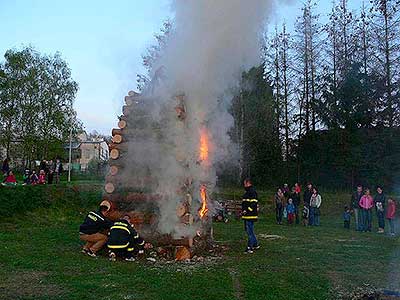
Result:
[
  {"x": 94, "y": 230},
  {"x": 123, "y": 240},
  {"x": 250, "y": 215}
]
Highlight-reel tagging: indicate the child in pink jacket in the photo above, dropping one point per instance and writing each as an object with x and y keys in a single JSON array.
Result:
[
  {"x": 366, "y": 204},
  {"x": 390, "y": 214}
]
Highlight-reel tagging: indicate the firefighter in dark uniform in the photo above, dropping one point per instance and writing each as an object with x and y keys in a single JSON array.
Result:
[
  {"x": 94, "y": 230},
  {"x": 250, "y": 215},
  {"x": 123, "y": 241}
]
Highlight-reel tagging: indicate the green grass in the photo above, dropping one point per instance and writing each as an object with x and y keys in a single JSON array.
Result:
[{"x": 40, "y": 259}]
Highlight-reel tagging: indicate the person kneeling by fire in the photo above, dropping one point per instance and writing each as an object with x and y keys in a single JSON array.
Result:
[
  {"x": 94, "y": 229},
  {"x": 123, "y": 240}
]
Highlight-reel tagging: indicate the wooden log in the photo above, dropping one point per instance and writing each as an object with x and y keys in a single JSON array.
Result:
[
  {"x": 117, "y": 139},
  {"x": 187, "y": 219},
  {"x": 114, "y": 170},
  {"x": 116, "y": 131},
  {"x": 109, "y": 187},
  {"x": 118, "y": 162},
  {"x": 129, "y": 100},
  {"x": 180, "y": 210},
  {"x": 114, "y": 154},
  {"x": 122, "y": 124},
  {"x": 121, "y": 147},
  {"x": 126, "y": 110}
]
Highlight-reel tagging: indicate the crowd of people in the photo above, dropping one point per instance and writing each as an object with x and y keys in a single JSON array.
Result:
[
  {"x": 363, "y": 206},
  {"x": 288, "y": 205},
  {"x": 288, "y": 202},
  {"x": 49, "y": 172}
]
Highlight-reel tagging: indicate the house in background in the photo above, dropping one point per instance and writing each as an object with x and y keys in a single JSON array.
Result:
[{"x": 87, "y": 148}]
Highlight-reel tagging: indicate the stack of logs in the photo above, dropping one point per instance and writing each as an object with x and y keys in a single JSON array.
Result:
[{"x": 120, "y": 194}]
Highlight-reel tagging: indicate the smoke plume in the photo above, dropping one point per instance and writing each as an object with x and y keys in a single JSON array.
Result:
[{"x": 212, "y": 42}]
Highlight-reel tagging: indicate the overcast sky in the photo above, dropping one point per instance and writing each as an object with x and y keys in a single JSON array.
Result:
[{"x": 102, "y": 41}]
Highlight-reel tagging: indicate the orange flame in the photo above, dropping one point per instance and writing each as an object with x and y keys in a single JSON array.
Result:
[
  {"x": 203, "y": 195},
  {"x": 203, "y": 145}
]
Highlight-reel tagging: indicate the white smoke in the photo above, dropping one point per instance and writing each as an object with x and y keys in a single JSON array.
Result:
[{"x": 212, "y": 42}]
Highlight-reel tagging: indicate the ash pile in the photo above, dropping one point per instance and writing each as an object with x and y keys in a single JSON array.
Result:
[{"x": 159, "y": 172}]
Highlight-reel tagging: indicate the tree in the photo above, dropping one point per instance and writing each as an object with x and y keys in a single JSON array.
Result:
[
  {"x": 36, "y": 103},
  {"x": 254, "y": 113},
  {"x": 151, "y": 58},
  {"x": 308, "y": 45},
  {"x": 386, "y": 24}
]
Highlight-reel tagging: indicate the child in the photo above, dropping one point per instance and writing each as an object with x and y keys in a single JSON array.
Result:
[
  {"x": 42, "y": 177},
  {"x": 305, "y": 214},
  {"x": 380, "y": 211},
  {"x": 390, "y": 214},
  {"x": 123, "y": 241},
  {"x": 34, "y": 179},
  {"x": 290, "y": 211},
  {"x": 346, "y": 217},
  {"x": 26, "y": 177},
  {"x": 10, "y": 179}
]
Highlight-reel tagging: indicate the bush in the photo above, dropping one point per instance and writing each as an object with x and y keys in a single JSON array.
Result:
[{"x": 22, "y": 199}]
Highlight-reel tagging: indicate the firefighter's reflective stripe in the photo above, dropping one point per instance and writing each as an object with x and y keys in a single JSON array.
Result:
[
  {"x": 120, "y": 224},
  {"x": 249, "y": 217},
  {"x": 130, "y": 249},
  {"x": 136, "y": 236},
  {"x": 95, "y": 216},
  {"x": 120, "y": 227},
  {"x": 118, "y": 246},
  {"x": 142, "y": 243},
  {"x": 250, "y": 200},
  {"x": 250, "y": 209}
]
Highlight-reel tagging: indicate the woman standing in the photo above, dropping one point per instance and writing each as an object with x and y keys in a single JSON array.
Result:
[
  {"x": 315, "y": 204},
  {"x": 366, "y": 203},
  {"x": 279, "y": 205}
]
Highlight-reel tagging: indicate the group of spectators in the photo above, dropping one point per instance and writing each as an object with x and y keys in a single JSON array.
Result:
[
  {"x": 363, "y": 205},
  {"x": 288, "y": 203},
  {"x": 49, "y": 172}
]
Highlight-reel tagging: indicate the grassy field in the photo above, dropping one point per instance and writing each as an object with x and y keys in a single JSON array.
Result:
[{"x": 40, "y": 259}]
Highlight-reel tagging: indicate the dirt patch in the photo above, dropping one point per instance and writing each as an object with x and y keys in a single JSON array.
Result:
[{"x": 25, "y": 284}]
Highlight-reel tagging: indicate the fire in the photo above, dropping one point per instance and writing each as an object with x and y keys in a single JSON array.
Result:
[
  {"x": 203, "y": 196},
  {"x": 203, "y": 146}
]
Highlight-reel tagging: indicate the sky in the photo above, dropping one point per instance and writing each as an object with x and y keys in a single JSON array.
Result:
[{"x": 102, "y": 41}]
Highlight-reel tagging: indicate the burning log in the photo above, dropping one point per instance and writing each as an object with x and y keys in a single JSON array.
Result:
[{"x": 182, "y": 253}]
